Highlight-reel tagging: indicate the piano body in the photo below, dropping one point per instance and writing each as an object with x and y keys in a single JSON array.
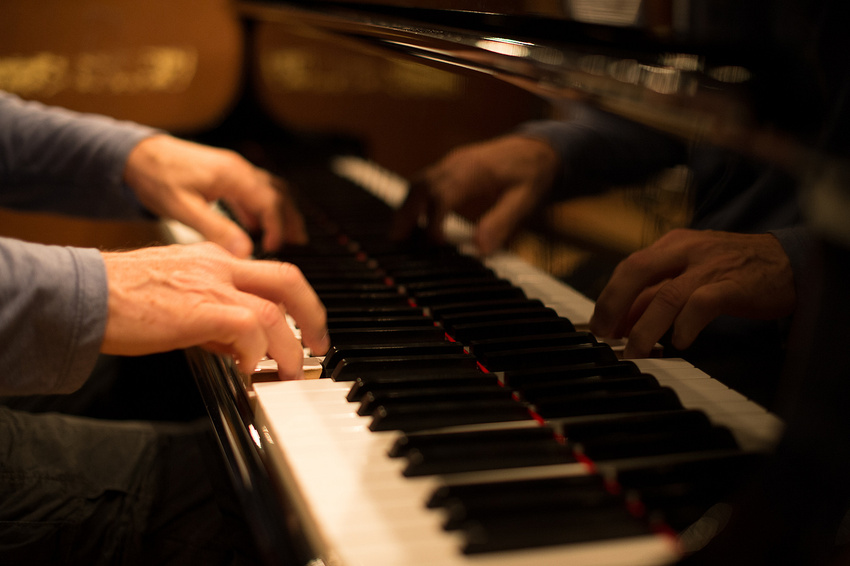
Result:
[{"x": 398, "y": 454}]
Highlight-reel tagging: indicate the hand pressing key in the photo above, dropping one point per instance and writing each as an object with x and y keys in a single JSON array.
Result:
[{"x": 175, "y": 297}]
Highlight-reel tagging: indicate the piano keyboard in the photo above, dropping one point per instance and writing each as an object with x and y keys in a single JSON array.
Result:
[{"x": 464, "y": 418}]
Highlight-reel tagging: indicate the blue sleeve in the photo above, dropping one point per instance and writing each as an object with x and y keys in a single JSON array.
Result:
[
  {"x": 599, "y": 150},
  {"x": 55, "y": 160},
  {"x": 53, "y": 310},
  {"x": 798, "y": 243}
]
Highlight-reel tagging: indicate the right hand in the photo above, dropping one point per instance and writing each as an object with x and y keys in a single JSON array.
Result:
[
  {"x": 174, "y": 297},
  {"x": 178, "y": 179},
  {"x": 497, "y": 183}
]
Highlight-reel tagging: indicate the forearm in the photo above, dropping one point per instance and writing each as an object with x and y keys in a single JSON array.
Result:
[
  {"x": 44, "y": 148},
  {"x": 53, "y": 316}
]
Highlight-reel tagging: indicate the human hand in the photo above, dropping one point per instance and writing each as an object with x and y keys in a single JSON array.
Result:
[
  {"x": 688, "y": 278},
  {"x": 166, "y": 298},
  {"x": 497, "y": 183},
  {"x": 178, "y": 179}
]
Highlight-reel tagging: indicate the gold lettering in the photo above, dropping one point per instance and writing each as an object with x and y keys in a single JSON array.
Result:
[
  {"x": 129, "y": 71},
  {"x": 303, "y": 70},
  {"x": 42, "y": 74}
]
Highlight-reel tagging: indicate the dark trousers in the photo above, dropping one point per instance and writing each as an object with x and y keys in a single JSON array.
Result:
[{"x": 81, "y": 490}]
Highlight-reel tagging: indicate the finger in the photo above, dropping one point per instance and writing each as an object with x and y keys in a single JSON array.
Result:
[
  {"x": 196, "y": 213},
  {"x": 658, "y": 317},
  {"x": 283, "y": 346},
  {"x": 703, "y": 306},
  {"x": 501, "y": 221},
  {"x": 283, "y": 283},
  {"x": 253, "y": 329},
  {"x": 435, "y": 220},
  {"x": 283, "y": 222},
  {"x": 233, "y": 329},
  {"x": 636, "y": 311},
  {"x": 637, "y": 272},
  {"x": 406, "y": 218},
  {"x": 294, "y": 227}
]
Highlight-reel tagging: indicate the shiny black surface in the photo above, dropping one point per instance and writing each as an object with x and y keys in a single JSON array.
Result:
[{"x": 732, "y": 73}]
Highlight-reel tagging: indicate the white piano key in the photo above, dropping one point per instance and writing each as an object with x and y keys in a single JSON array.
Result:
[{"x": 363, "y": 511}]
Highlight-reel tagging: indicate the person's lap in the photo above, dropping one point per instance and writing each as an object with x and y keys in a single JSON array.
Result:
[{"x": 77, "y": 490}]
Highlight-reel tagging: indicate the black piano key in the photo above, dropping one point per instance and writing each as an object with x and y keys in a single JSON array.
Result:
[
  {"x": 463, "y": 294},
  {"x": 411, "y": 271},
  {"x": 536, "y": 392},
  {"x": 335, "y": 354},
  {"x": 445, "y": 414},
  {"x": 483, "y": 330},
  {"x": 389, "y": 335},
  {"x": 517, "y": 501},
  {"x": 386, "y": 299},
  {"x": 546, "y": 357},
  {"x": 530, "y": 341},
  {"x": 565, "y": 525},
  {"x": 371, "y": 401},
  {"x": 483, "y": 279},
  {"x": 519, "y": 378},
  {"x": 378, "y": 367},
  {"x": 462, "y": 377},
  {"x": 363, "y": 275},
  {"x": 455, "y": 458},
  {"x": 406, "y": 269},
  {"x": 446, "y": 494},
  {"x": 425, "y": 440},
  {"x": 334, "y": 267},
  {"x": 363, "y": 311},
  {"x": 350, "y": 287},
  {"x": 439, "y": 311},
  {"x": 583, "y": 429},
  {"x": 704, "y": 468},
  {"x": 630, "y": 444},
  {"x": 498, "y": 315},
  {"x": 327, "y": 281},
  {"x": 343, "y": 261},
  {"x": 608, "y": 402},
  {"x": 450, "y": 378},
  {"x": 348, "y": 322}
]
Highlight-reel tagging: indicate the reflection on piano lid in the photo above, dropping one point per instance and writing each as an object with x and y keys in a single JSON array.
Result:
[{"x": 702, "y": 71}]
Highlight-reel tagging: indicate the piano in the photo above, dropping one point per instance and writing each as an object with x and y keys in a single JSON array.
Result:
[
  {"x": 435, "y": 345},
  {"x": 464, "y": 415}
]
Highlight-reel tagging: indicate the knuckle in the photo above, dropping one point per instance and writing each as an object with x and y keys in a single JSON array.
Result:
[
  {"x": 291, "y": 274},
  {"x": 242, "y": 321},
  {"x": 670, "y": 296},
  {"x": 268, "y": 314},
  {"x": 636, "y": 262}
]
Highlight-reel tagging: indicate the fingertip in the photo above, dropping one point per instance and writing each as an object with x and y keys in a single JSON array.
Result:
[
  {"x": 324, "y": 344},
  {"x": 239, "y": 245},
  {"x": 290, "y": 368},
  {"x": 600, "y": 326}
]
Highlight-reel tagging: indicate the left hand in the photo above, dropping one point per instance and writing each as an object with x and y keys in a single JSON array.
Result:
[
  {"x": 688, "y": 278},
  {"x": 178, "y": 179}
]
